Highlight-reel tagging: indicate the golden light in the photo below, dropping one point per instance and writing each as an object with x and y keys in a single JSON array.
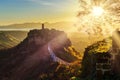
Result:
[
  {"x": 97, "y": 11},
  {"x": 98, "y": 17}
]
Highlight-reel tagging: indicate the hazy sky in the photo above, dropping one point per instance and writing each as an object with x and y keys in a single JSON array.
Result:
[{"x": 19, "y": 11}]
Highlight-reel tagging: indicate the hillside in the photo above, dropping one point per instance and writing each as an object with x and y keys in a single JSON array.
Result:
[
  {"x": 31, "y": 57},
  {"x": 10, "y": 39}
]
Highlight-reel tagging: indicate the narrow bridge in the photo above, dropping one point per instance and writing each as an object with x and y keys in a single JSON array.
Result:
[{"x": 55, "y": 58}]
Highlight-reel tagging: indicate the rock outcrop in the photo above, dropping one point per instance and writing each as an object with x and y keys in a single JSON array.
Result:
[{"x": 31, "y": 57}]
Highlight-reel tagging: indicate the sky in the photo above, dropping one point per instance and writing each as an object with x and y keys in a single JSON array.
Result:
[{"x": 21, "y": 11}]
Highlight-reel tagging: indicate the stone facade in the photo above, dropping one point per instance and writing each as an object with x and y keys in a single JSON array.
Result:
[{"x": 116, "y": 51}]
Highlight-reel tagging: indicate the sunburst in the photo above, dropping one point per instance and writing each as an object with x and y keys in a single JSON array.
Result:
[{"x": 99, "y": 14}]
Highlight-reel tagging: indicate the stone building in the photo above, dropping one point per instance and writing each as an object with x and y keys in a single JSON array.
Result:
[
  {"x": 116, "y": 51},
  {"x": 103, "y": 65}
]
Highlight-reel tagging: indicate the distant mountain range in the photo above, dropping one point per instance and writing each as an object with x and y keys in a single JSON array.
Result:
[{"x": 27, "y": 26}]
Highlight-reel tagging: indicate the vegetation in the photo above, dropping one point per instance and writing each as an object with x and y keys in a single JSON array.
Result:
[{"x": 63, "y": 72}]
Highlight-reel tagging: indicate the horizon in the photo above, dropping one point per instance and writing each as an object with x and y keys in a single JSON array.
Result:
[
  {"x": 36, "y": 22},
  {"x": 23, "y": 11}
]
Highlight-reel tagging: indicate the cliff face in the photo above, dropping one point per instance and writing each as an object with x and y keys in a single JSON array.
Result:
[
  {"x": 31, "y": 57},
  {"x": 98, "y": 58}
]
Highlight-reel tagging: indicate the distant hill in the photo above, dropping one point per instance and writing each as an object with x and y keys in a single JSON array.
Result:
[{"x": 10, "y": 39}]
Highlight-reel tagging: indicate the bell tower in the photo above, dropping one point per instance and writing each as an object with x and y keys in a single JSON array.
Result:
[{"x": 43, "y": 26}]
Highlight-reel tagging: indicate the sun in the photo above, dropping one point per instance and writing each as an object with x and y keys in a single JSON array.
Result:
[{"x": 97, "y": 11}]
